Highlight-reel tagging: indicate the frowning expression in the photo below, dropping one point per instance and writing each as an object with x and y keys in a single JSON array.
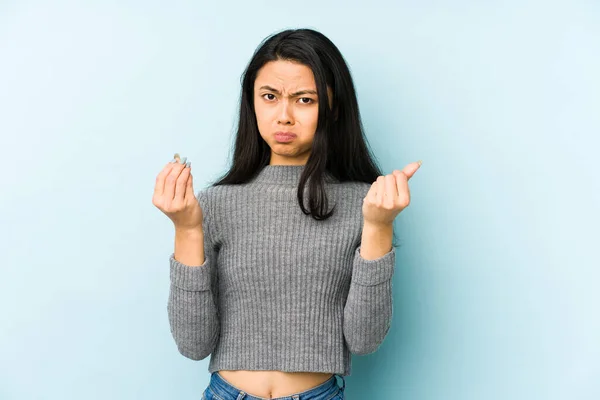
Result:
[{"x": 287, "y": 108}]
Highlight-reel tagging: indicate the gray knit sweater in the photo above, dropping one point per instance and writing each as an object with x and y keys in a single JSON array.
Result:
[{"x": 279, "y": 290}]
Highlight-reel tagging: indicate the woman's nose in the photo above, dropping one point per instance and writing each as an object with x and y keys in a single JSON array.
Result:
[{"x": 285, "y": 114}]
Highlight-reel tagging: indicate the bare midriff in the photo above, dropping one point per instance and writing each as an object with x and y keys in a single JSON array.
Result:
[{"x": 273, "y": 384}]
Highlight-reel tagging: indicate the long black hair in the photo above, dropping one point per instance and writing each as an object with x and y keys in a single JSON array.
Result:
[{"x": 339, "y": 145}]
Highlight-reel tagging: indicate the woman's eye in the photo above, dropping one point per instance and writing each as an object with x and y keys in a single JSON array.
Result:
[
  {"x": 309, "y": 100},
  {"x": 269, "y": 94}
]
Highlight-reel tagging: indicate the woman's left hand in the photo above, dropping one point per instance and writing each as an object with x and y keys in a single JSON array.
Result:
[{"x": 388, "y": 196}]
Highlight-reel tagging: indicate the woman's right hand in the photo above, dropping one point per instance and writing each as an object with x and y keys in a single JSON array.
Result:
[{"x": 174, "y": 195}]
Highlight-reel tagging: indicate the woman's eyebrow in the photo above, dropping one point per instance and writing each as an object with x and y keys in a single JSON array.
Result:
[{"x": 299, "y": 93}]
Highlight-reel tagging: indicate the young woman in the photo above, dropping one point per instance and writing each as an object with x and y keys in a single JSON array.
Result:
[{"x": 279, "y": 288}]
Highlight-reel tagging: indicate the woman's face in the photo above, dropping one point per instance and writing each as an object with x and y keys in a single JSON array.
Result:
[{"x": 285, "y": 100}]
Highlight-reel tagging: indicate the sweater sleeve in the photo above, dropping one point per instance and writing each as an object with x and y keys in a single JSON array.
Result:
[
  {"x": 192, "y": 305},
  {"x": 368, "y": 308}
]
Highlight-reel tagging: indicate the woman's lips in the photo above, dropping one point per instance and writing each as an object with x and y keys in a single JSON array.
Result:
[{"x": 284, "y": 136}]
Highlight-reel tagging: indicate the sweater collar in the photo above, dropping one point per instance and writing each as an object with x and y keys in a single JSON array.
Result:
[{"x": 285, "y": 175}]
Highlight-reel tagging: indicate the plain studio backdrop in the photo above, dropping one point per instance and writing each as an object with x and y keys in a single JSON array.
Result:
[{"x": 496, "y": 290}]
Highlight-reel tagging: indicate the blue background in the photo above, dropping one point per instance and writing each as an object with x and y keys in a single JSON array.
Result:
[{"x": 496, "y": 292}]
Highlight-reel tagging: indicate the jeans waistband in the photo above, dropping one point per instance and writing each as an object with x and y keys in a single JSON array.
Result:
[{"x": 222, "y": 387}]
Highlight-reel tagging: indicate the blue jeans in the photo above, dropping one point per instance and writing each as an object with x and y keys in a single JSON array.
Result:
[{"x": 220, "y": 389}]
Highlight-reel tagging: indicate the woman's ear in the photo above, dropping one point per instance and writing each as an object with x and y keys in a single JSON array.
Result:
[{"x": 330, "y": 100}]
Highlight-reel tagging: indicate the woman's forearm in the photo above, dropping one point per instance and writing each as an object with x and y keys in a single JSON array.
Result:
[
  {"x": 189, "y": 247},
  {"x": 376, "y": 241}
]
